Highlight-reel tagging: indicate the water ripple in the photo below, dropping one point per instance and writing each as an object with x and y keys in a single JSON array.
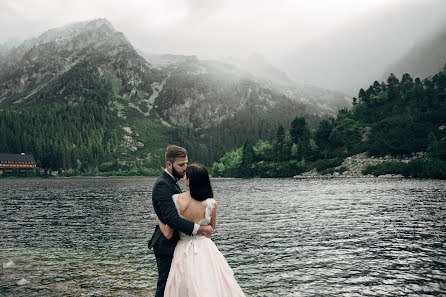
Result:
[{"x": 282, "y": 237}]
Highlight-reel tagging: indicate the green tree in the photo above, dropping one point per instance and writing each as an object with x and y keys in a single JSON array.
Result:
[
  {"x": 248, "y": 158},
  {"x": 300, "y": 135},
  {"x": 322, "y": 136},
  {"x": 299, "y": 130},
  {"x": 406, "y": 83},
  {"x": 346, "y": 135},
  {"x": 279, "y": 145},
  {"x": 362, "y": 96},
  {"x": 393, "y": 87}
]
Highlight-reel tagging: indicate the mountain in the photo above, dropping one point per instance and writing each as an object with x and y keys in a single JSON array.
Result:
[
  {"x": 322, "y": 101},
  {"x": 425, "y": 59},
  {"x": 43, "y": 64},
  {"x": 92, "y": 70},
  {"x": 254, "y": 75}
]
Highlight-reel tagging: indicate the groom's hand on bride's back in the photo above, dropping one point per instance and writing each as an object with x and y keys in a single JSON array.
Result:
[{"x": 206, "y": 231}]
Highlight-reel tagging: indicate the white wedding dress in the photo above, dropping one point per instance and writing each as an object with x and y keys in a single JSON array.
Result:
[{"x": 198, "y": 268}]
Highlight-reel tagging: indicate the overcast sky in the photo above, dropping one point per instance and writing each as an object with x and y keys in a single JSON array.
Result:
[{"x": 337, "y": 44}]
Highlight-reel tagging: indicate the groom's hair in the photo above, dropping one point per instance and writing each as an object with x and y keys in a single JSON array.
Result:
[
  {"x": 199, "y": 182},
  {"x": 173, "y": 152}
]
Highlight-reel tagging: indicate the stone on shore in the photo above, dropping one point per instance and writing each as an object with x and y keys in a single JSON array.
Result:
[
  {"x": 9, "y": 264},
  {"x": 23, "y": 282}
]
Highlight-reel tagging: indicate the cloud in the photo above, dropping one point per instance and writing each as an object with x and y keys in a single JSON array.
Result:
[
  {"x": 354, "y": 55},
  {"x": 312, "y": 39}
]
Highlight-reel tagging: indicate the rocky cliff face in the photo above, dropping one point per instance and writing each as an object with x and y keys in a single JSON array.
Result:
[
  {"x": 27, "y": 68},
  {"x": 354, "y": 166}
]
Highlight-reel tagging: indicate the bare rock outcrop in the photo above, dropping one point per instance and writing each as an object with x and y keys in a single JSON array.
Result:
[{"x": 355, "y": 165}]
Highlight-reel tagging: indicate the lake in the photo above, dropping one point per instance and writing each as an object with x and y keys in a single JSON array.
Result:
[{"x": 282, "y": 237}]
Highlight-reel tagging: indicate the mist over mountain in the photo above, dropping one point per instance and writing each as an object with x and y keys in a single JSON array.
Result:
[
  {"x": 352, "y": 54},
  {"x": 257, "y": 69},
  {"x": 426, "y": 58}
]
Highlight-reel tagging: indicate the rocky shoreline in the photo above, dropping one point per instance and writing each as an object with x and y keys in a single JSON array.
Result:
[{"x": 355, "y": 165}]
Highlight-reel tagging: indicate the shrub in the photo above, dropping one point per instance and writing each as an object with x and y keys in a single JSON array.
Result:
[
  {"x": 279, "y": 169},
  {"x": 323, "y": 164},
  {"x": 427, "y": 168},
  {"x": 328, "y": 171},
  {"x": 342, "y": 169},
  {"x": 387, "y": 168}
]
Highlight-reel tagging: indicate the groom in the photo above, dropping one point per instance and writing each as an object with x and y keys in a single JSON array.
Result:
[{"x": 166, "y": 186}]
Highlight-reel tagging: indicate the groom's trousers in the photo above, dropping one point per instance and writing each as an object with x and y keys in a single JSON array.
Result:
[{"x": 163, "y": 262}]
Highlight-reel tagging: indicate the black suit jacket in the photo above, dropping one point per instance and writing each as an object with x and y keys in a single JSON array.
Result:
[{"x": 166, "y": 211}]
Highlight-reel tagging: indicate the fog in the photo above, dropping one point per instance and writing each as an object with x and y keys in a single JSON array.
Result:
[{"x": 342, "y": 45}]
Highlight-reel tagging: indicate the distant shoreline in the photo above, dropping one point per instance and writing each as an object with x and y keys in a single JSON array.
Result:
[{"x": 395, "y": 176}]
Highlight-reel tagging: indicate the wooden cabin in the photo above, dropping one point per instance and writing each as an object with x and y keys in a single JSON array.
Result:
[{"x": 20, "y": 162}]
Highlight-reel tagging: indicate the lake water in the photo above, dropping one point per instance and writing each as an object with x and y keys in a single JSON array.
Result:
[{"x": 282, "y": 237}]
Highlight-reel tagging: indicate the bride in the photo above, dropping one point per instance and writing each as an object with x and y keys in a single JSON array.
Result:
[{"x": 198, "y": 268}]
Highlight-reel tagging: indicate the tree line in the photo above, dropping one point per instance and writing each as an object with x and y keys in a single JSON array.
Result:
[{"x": 61, "y": 136}]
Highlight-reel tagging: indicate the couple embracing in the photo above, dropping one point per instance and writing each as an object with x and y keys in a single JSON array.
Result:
[{"x": 189, "y": 263}]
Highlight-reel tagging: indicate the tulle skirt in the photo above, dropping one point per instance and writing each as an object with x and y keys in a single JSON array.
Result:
[{"x": 199, "y": 269}]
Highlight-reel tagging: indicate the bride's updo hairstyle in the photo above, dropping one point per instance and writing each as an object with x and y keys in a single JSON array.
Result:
[{"x": 199, "y": 182}]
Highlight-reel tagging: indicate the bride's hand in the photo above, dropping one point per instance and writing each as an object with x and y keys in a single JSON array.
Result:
[
  {"x": 165, "y": 229},
  {"x": 206, "y": 231}
]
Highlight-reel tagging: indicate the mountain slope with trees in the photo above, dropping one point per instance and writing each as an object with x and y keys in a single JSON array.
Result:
[{"x": 399, "y": 118}]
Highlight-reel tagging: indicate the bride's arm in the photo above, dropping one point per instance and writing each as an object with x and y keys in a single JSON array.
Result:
[
  {"x": 165, "y": 229},
  {"x": 214, "y": 217}
]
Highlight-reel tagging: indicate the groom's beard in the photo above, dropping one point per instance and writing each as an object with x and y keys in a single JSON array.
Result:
[{"x": 176, "y": 174}]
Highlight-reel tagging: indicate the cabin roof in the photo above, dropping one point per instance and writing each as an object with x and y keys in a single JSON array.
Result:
[{"x": 16, "y": 158}]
